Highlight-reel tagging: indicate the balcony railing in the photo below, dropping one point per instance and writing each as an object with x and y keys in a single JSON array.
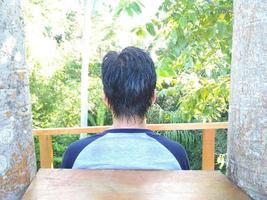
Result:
[{"x": 208, "y": 138}]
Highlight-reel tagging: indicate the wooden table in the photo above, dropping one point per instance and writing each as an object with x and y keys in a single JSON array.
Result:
[{"x": 57, "y": 184}]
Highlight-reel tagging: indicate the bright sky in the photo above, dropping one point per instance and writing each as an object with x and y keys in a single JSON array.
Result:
[{"x": 44, "y": 49}]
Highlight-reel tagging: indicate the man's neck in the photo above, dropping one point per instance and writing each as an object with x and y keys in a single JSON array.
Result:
[{"x": 134, "y": 122}]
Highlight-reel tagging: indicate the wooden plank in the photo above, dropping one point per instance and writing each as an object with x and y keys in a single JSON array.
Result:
[
  {"x": 208, "y": 149},
  {"x": 46, "y": 151},
  {"x": 77, "y": 184},
  {"x": 154, "y": 127}
]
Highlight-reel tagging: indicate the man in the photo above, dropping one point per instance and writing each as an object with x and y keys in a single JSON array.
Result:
[{"x": 129, "y": 81}]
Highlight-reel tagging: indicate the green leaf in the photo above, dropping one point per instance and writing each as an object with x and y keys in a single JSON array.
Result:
[
  {"x": 193, "y": 17},
  {"x": 118, "y": 11},
  {"x": 140, "y": 32},
  {"x": 129, "y": 11},
  {"x": 177, "y": 51},
  {"x": 150, "y": 29},
  {"x": 128, "y": 6},
  {"x": 173, "y": 37},
  {"x": 136, "y": 7},
  {"x": 182, "y": 22},
  {"x": 166, "y": 71},
  {"x": 221, "y": 28}
]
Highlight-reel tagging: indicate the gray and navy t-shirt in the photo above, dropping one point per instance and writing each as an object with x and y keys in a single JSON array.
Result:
[{"x": 126, "y": 149}]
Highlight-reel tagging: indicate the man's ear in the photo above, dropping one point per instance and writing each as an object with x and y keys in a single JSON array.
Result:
[
  {"x": 105, "y": 99},
  {"x": 154, "y": 97}
]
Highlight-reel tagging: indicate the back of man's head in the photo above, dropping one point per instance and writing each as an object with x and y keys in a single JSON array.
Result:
[{"x": 129, "y": 81}]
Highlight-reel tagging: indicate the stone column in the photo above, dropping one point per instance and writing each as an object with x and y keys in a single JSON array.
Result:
[
  {"x": 17, "y": 157},
  {"x": 247, "y": 138}
]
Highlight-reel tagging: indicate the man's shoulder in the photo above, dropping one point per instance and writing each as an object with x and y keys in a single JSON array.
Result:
[
  {"x": 175, "y": 148},
  {"x": 167, "y": 142},
  {"x": 75, "y": 148},
  {"x": 83, "y": 142}
]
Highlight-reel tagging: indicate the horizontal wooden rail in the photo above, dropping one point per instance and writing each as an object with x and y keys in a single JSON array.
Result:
[
  {"x": 154, "y": 127},
  {"x": 208, "y": 139}
]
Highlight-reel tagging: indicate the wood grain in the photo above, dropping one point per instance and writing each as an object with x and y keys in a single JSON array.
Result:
[
  {"x": 208, "y": 149},
  {"x": 46, "y": 151},
  {"x": 122, "y": 184}
]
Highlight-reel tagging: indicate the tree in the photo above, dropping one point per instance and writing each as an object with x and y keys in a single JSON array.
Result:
[
  {"x": 17, "y": 157},
  {"x": 247, "y": 150},
  {"x": 192, "y": 41}
]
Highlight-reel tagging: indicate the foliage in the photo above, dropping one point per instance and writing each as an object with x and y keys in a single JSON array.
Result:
[
  {"x": 194, "y": 60},
  {"x": 55, "y": 101},
  {"x": 130, "y": 7}
]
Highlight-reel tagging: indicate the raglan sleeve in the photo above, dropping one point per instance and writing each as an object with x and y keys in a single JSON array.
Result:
[
  {"x": 68, "y": 158},
  {"x": 74, "y": 150},
  {"x": 179, "y": 153},
  {"x": 181, "y": 156},
  {"x": 177, "y": 150},
  {"x": 72, "y": 153}
]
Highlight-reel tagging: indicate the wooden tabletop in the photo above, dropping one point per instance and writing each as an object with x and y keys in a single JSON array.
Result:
[{"x": 121, "y": 184}]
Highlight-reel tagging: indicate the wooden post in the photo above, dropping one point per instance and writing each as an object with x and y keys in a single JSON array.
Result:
[
  {"x": 208, "y": 149},
  {"x": 46, "y": 151}
]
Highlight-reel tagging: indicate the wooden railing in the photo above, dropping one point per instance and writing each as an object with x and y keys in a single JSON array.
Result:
[{"x": 208, "y": 138}]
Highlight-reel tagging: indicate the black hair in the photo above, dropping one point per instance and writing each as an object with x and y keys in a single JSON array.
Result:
[{"x": 129, "y": 80}]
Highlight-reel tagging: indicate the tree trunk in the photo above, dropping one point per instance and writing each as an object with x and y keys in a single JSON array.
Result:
[
  {"x": 247, "y": 140},
  {"x": 17, "y": 157}
]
